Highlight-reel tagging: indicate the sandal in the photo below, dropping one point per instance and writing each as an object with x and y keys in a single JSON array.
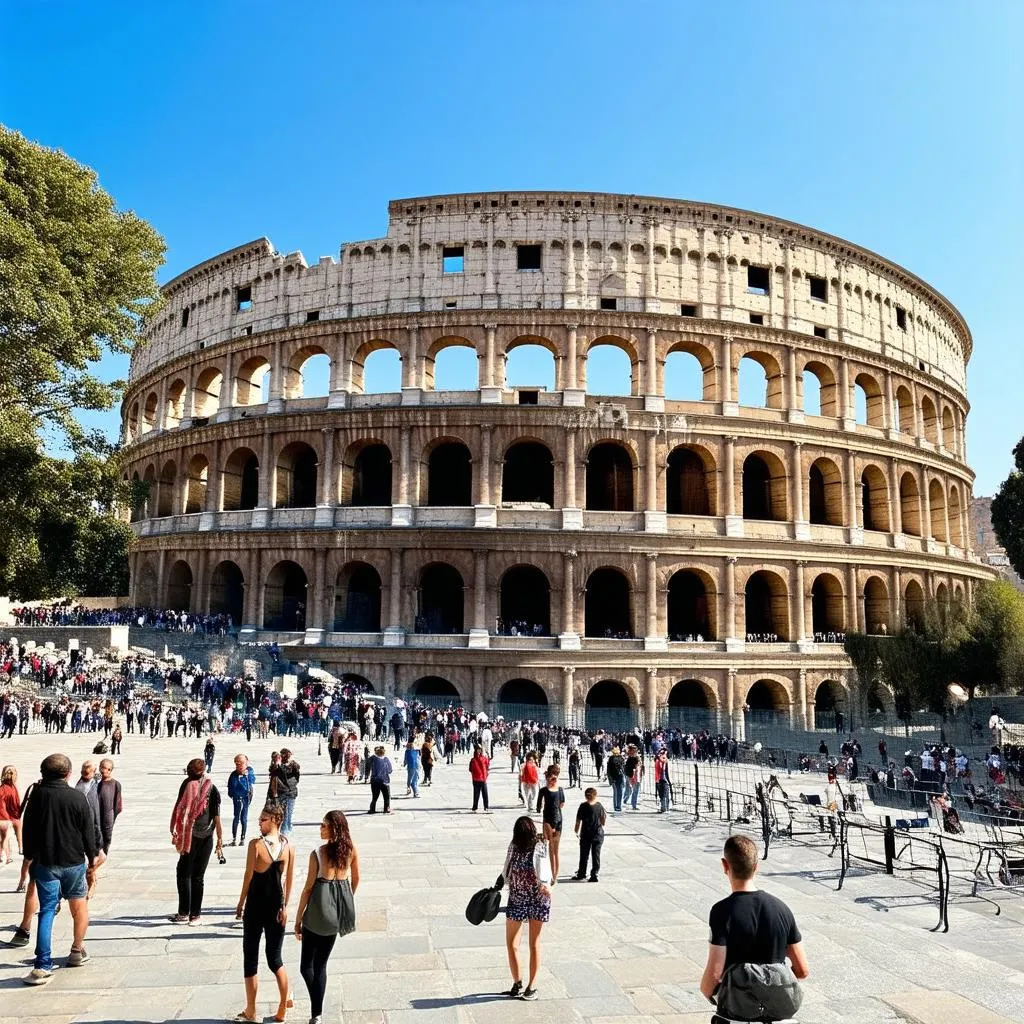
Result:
[{"x": 241, "y": 1016}]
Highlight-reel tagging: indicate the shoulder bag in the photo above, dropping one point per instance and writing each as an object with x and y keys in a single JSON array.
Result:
[{"x": 331, "y": 909}]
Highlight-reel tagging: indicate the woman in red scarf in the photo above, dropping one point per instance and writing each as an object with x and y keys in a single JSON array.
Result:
[{"x": 194, "y": 822}]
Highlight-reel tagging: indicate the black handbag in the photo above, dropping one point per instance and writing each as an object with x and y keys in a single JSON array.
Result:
[
  {"x": 485, "y": 904},
  {"x": 759, "y": 992}
]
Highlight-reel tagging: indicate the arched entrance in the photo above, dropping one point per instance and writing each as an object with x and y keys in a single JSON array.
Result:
[
  {"x": 435, "y": 692},
  {"x": 179, "y": 587},
  {"x": 767, "y": 617},
  {"x": 826, "y": 608},
  {"x": 296, "y": 476},
  {"x": 606, "y": 605},
  {"x": 371, "y": 476},
  {"x": 284, "y": 598},
  {"x": 689, "y": 608},
  {"x": 609, "y": 478},
  {"x": 767, "y": 703},
  {"x": 357, "y": 599},
  {"x": 829, "y": 702},
  {"x": 441, "y": 600},
  {"x": 241, "y": 480},
  {"x": 525, "y": 602},
  {"x": 227, "y": 588},
  {"x": 522, "y": 699},
  {"x": 609, "y": 707},
  {"x": 449, "y": 475},
  {"x": 690, "y": 706},
  {"x": 528, "y": 474},
  {"x": 687, "y": 490}
]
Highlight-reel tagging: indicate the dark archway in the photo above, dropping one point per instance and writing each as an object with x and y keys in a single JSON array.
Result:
[
  {"x": 528, "y": 474},
  {"x": 436, "y": 692},
  {"x": 609, "y": 707},
  {"x": 687, "y": 492},
  {"x": 449, "y": 475},
  {"x": 227, "y": 589},
  {"x": 763, "y": 494},
  {"x": 179, "y": 587},
  {"x": 284, "y": 598},
  {"x": 357, "y": 599},
  {"x": 165, "y": 505},
  {"x": 609, "y": 478},
  {"x": 765, "y": 606},
  {"x": 296, "y": 476},
  {"x": 826, "y": 606},
  {"x": 441, "y": 600},
  {"x": 525, "y": 602},
  {"x": 689, "y": 705},
  {"x": 767, "y": 701},
  {"x": 689, "y": 610},
  {"x": 241, "y": 480},
  {"x": 523, "y": 699},
  {"x": 914, "y": 604},
  {"x": 607, "y": 610},
  {"x": 829, "y": 700},
  {"x": 371, "y": 476}
]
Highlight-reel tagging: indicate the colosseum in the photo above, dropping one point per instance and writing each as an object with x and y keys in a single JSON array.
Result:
[{"x": 782, "y": 460}]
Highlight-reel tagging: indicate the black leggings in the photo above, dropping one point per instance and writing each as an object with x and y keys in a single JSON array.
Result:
[
  {"x": 316, "y": 950},
  {"x": 253, "y": 929},
  {"x": 191, "y": 871}
]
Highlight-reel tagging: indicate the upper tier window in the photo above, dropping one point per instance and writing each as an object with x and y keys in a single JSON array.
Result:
[
  {"x": 453, "y": 259},
  {"x": 758, "y": 280},
  {"x": 528, "y": 257},
  {"x": 243, "y": 298},
  {"x": 819, "y": 288}
]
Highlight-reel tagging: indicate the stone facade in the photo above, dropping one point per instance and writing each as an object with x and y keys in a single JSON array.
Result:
[{"x": 644, "y": 541}]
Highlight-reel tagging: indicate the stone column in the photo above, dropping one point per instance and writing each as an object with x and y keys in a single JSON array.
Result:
[
  {"x": 486, "y": 513},
  {"x": 568, "y": 696},
  {"x": 569, "y": 637},
  {"x": 798, "y": 603},
  {"x": 227, "y": 391},
  {"x": 801, "y": 700},
  {"x": 896, "y": 526},
  {"x": 796, "y": 409},
  {"x": 572, "y": 393},
  {"x": 654, "y": 394},
  {"x": 214, "y": 481},
  {"x": 259, "y": 601},
  {"x": 725, "y": 376},
  {"x": 890, "y": 419},
  {"x": 490, "y": 387},
  {"x": 316, "y": 612},
  {"x": 266, "y": 474},
  {"x": 895, "y": 593},
  {"x": 572, "y": 514},
  {"x": 478, "y": 688},
  {"x": 852, "y": 490},
  {"x": 729, "y": 633},
  {"x": 727, "y": 505},
  {"x": 801, "y": 526},
  {"x": 926, "y": 512},
  {"x": 654, "y": 638},
  {"x": 734, "y": 702},
  {"x": 852, "y": 597},
  {"x": 651, "y": 472},
  {"x": 276, "y": 395},
  {"x": 845, "y": 408},
  {"x": 390, "y": 686},
  {"x": 651, "y": 697},
  {"x": 412, "y": 370},
  {"x": 480, "y": 590},
  {"x": 401, "y": 511},
  {"x": 394, "y": 632},
  {"x": 328, "y": 497}
]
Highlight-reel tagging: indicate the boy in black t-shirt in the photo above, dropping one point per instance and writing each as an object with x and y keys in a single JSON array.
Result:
[
  {"x": 749, "y": 926},
  {"x": 590, "y": 819}
]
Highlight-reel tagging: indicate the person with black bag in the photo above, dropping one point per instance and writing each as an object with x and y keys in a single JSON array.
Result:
[
  {"x": 327, "y": 906},
  {"x": 752, "y": 934}
]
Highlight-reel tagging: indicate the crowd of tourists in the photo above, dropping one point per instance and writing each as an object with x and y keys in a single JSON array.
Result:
[{"x": 68, "y": 614}]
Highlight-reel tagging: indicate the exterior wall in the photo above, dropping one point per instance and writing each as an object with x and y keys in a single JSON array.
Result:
[{"x": 190, "y": 405}]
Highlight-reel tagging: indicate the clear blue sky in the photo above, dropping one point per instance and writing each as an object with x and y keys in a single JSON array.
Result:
[{"x": 893, "y": 123}]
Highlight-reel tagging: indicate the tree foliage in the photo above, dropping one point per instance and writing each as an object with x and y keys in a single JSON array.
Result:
[
  {"x": 76, "y": 277},
  {"x": 1008, "y": 511}
]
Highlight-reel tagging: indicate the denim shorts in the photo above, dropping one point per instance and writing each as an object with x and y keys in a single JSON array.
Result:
[{"x": 71, "y": 879}]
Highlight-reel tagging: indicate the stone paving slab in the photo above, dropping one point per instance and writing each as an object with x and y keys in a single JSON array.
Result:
[{"x": 629, "y": 949}]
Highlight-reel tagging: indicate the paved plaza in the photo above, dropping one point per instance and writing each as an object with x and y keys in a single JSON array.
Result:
[{"x": 630, "y": 948}]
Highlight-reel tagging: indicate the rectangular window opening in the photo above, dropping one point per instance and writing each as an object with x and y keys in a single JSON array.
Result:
[
  {"x": 528, "y": 397},
  {"x": 758, "y": 280},
  {"x": 312, "y": 316},
  {"x": 451, "y": 304},
  {"x": 609, "y": 304},
  {"x": 453, "y": 259},
  {"x": 821, "y": 332},
  {"x": 819, "y": 288},
  {"x": 184, "y": 318},
  {"x": 528, "y": 257},
  {"x": 243, "y": 298},
  {"x": 687, "y": 310},
  {"x": 248, "y": 331},
  {"x": 757, "y": 318},
  {"x": 901, "y": 318}
]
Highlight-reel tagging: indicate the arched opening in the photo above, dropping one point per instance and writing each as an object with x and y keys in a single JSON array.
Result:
[
  {"x": 868, "y": 401},
  {"x": 369, "y": 472},
  {"x": 441, "y": 600},
  {"x": 377, "y": 369},
  {"x": 607, "y": 610},
  {"x": 820, "y": 391},
  {"x": 689, "y": 483},
  {"x": 530, "y": 366},
  {"x": 522, "y": 699},
  {"x": 948, "y": 437},
  {"x": 910, "y": 506},
  {"x": 929, "y": 420},
  {"x": 690, "y": 706},
  {"x": 357, "y": 599},
  {"x": 610, "y": 370},
  {"x": 829, "y": 702},
  {"x": 179, "y": 587},
  {"x": 768, "y": 702},
  {"x": 435, "y": 691},
  {"x": 296, "y": 476},
  {"x": 879, "y": 701},
  {"x": 942, "y": 602},
  {"x": 197, "y": 482},
  {"x": 528, "y": 474},
  {"x": 165, "y": 503},
  {"x": 138, "y": 508},
  {"x": 252, "y": 382},
  {"x": 690, "y": 609},
  {"x": 227, "y": 589},
  {"x": 827, "y": 608},
  {"x": 764, "y": 487},
  {"x": 149, "y": 412},
  {"x": 874, "y": 499},
  {"x": 876, "y": 606},
  {"x": 524, "y": 602},
  {"x": 685, "y": 377},
  {"x": 133, "y": 423},
  {"x": 453, "y": 368},
  {"x": 956, "y": 526},
  {"x": 175, "y": 408},
  {"x": 904, "y": 411},
  {"x": 825, "y": 493},
  {"x": 937, "y": 509},
  {"x": 284, "y": 598},
  {"x": 766, "y": 608},
  {"x": 149, "y": 479},
  {"x": 913, "y": 601},
  {"x": 609, "y": 478},
  {"x": 760, "y": 381},
  {"x": 308, "y": 374},
  {"x": 609, "y": 707},
  {"x": 449, "y": 475},
  {"x": 206, "y": 398},
  {"x": 241, "y": 480}
]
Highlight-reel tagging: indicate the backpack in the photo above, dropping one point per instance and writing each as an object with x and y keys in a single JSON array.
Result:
[
  {"x": 759, "y": 992},
  {"x": 484, "y": 905}
]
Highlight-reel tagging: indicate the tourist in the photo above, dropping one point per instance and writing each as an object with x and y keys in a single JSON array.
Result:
[
  {"x": 662, "y": 781},
  {"x": 10, "y": 812},
  {"x": 208, "y": 751},
  {"x": 111, "y": 802},
  {"x": 411, "y": 761},
  {"x": 428, "y": 756},
  {"x": 263, "y": 908},
  {"x": 527, "y": 872},
  {"x": 590, "y": 822},
  {"x": 350, "y": 752},
  {"x": 326, "y": 906},
  {"x": 479, "y": 769},
  {"x": 380, "y": 780},
  {"x": 574, "y": 766},
  {"x": 334, "y": 744},
  {"x": 115, "y": 738},
  {"x": 529, "y": 780},
  {"x": 241, "y": 784},
  {"x": 86, "y": 785},
  {"x": 634, "y": 769},
  {"x": 513, "y": 751},
  {"x": 748, "y": 927},
  {"x": 616, "y": 772},
  {"x": 550, "y": 803},
  {"x": 286, "y": 787},
  {"x": 59, "y": 838},
  {"x": 194, "y": 822}
]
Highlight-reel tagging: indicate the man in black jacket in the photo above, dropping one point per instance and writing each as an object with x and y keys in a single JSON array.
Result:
[{"x": 59, "y": 838}]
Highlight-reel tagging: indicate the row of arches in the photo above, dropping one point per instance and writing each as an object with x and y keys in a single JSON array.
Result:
[
  {"x": 523, "y": 601},
  {"x": 686, "y": 369},
  {"x": 366, "y": 477}
]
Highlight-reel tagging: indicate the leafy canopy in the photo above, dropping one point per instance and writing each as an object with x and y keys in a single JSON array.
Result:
[{"x": 1008, "y": 511}]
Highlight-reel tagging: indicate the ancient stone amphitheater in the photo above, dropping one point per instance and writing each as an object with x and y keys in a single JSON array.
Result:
[{"x": 781, "y": 457}]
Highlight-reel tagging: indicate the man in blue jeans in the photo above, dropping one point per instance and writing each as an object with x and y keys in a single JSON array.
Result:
[{"x": 59, "y": 839}]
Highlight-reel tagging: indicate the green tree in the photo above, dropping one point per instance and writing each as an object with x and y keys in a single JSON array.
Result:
[
  {"x": 1008, "y": 511},
  {"x": 76, "y": 277}
]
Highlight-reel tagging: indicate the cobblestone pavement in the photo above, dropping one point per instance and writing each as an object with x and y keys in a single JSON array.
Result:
[{"x": 631, "y": 947}]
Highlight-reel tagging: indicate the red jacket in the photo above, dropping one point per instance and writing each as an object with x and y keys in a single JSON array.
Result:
[{"x": 478, "y": 768}]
